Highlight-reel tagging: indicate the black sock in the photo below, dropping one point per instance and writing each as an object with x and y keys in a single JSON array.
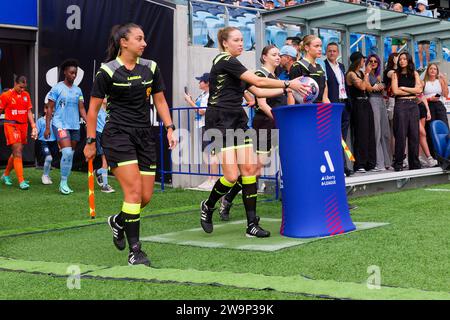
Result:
[
  {"x": 221, "y": 188},
  {"x": 119, "y": 219},
  {"x": 249, "y": 196},
  {"x": 131, "y": 217},
  {"x": 132, "y": 225},
  {"x": 234, "y": 191}
]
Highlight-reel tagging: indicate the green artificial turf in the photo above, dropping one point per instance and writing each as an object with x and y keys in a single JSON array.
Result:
[{"x": 411, "y": 252}]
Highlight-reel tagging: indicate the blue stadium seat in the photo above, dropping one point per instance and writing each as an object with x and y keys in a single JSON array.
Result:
[
  {"x": 203, "y": 14},
  {"x": 353, "y": 38},
  {"x": 276, "y": 36},
  {"x": 200, "y": 32},
  {"x": 251, "y": 26},
  {"x": 246, "y": 33},
  {"x": 213, "y": 24},
  {"x": 440, "y": 138}
]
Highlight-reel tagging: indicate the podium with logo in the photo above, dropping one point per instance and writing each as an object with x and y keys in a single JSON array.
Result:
[{"x": 314, "y": 198}]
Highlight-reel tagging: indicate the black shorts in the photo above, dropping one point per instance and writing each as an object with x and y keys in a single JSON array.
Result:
[
  {"x": 49, "y": 148},
  {"x": 422, "y": 111},
  {"x": 424, "y": 42},
  {"x": 263, "y": 126},
  {"x": 128, "y": 145},
  {"x": 228, "y": 128}
]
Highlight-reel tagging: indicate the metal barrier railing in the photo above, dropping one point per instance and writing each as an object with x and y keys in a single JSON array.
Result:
[{"x": 192, "y": 151}]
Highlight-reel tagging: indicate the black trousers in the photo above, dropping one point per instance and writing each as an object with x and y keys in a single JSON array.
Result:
[
  {"x": 364, "y": 148},
  {"x": 438, "y": 112},
  {"x": 406, "y": 126}
]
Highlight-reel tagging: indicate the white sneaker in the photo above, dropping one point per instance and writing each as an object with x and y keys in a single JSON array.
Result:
[
  {"x": 376, "y": 169},
  {"x": 46, "y": 179},
  {"x": 361, "y": 170},
  {"x": 262, "y": 188},
  {"x": 405, "y": 163},
  {"x": 206, "y": 185},
  {"x": 107, "y": 189},
  {"x": 432, "y": 162},
  {"x": 424, "y": 162}
]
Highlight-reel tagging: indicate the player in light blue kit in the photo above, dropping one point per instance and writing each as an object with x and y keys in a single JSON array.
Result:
[
  {"x": 101, "y": 174},
  {"x": 49, "y": 147},
  {"x": 66, "y": 99}
]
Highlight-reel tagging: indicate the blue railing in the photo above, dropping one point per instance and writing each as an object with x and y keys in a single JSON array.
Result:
[{"x": 183, "y": 119}]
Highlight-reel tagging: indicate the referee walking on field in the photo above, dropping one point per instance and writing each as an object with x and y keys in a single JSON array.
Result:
[{"x": 127, "y": 140}]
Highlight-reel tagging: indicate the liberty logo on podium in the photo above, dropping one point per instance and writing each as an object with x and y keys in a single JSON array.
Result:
[
  {"x": 327, "y": 179},
  {"x": 314, "y": 196}
]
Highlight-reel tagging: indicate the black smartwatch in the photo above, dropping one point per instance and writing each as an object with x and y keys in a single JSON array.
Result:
[
  {"x": 90, "y": 140},
  {"x": 287, "y": 83},
  {"x": 170, "y": 126}
]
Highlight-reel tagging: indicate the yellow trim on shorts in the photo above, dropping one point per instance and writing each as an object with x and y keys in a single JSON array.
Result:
[
  {"x": 125, "y": 163},
  {"x": 248, "y": 180},
  {"x": 131, "y": 208},
  {"x": 237, "y": 147},
  {"x": 226, "y": 183},
  {"x": 147, "y": 173}
]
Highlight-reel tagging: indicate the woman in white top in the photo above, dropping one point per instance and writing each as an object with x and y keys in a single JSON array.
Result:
[
  {"x": 435, "y": 86},
  {"x": 435, "y": 90}
]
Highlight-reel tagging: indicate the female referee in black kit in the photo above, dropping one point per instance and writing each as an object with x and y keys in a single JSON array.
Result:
[
  {"x": 228, "y": 81},
  {"x": 127, "y": 140}
]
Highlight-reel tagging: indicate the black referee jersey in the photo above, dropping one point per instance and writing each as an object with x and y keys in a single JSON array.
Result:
[
  {"x": 303, "y": 67},
  {"x": 128, "y": 91}
]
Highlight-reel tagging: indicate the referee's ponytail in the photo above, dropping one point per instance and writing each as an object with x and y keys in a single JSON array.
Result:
[{"x": 118, "y": 32}]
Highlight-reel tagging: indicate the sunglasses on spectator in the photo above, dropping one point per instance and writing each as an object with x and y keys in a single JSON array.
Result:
[{"x": 373, "y": 61}]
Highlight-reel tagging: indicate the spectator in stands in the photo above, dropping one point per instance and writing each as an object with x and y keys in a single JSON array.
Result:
[
  {"x": 290, "y": 3},
  {"x": 396, "y": 42},
  {"x": 391, "y": 66},
  {"x": 435, "y": 90},
  {"x": 66, "y": 99},
  {"x": 226, "y": 115},
  {"x": 406, "y": 86},
  {"x": 309, "y": 66},
  {"x": 424, "y": 116},
  {"x": 410, "y": 10},
  {"x": 269, "y": 5},
  {"x": 423, "y": 45},
  {"x": 294, "y": 42},
  {"x": 364, "y": 148},
  {"x": 16, "y": 103},
  {"x": 375, "y": 89},
  {"x": 337, "y": 91},
  {"x": 288, "y": 55},
  {"x": 202, "y": 102}
]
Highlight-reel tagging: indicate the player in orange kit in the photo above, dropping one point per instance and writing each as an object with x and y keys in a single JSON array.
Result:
[{"x": 16, "y": 104}]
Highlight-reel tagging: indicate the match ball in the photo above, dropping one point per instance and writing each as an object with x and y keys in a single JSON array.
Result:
[{"x": 312, "y": 94}]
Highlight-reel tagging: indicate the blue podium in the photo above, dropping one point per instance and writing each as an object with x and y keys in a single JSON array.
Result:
[{"x": 314, "y": 197}]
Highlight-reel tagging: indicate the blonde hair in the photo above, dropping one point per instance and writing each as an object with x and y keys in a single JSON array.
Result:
[
  {"x": 307, "y": 41},
  {"x": 223, "y": 35},
  {"x": 427, "y": 77}
]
